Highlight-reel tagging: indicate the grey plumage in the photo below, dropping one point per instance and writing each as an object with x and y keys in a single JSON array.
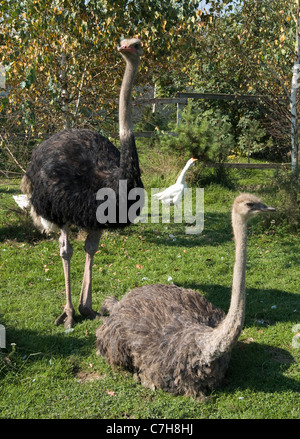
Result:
[
  {"x": 173, "y": 338},
  {"x": 153, "y": 331}
]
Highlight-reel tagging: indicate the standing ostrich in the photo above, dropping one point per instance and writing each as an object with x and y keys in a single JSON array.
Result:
[
  {"x": 66, "y": 172},
  {"x": 172, "y": 337},
  {"x": 173, "y": 194}
]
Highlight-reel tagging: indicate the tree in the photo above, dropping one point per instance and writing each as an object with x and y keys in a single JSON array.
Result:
[
  {"x": 293, "y": 97},
  {"x": 61, "y": 58},
  {"x": 264, "y": 39}
]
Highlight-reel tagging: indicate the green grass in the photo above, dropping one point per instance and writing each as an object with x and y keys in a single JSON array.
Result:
[{"x": 48, "y": 373}]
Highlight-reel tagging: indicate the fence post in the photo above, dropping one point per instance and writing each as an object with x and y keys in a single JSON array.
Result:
[{"x": 179, "y": 112}]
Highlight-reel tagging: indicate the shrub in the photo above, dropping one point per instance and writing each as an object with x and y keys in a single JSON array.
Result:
[
  {"x": 205, "y": 136},
  {"x": 252, "y": 138},
  {"x": 285, "y": 192}
]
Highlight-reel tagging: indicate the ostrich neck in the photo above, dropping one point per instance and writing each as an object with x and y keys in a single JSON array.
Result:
[
  {"x": 129, "y": 159},
  {"x": 226, "y": 334}
]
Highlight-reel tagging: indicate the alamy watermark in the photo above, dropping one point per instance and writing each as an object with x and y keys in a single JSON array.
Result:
[
  {"x": 2, "y": 76},
  {"x": 296, "y": 338},
  {"x": 135, "y": 206},
  {"x": 2, "y": 337}
]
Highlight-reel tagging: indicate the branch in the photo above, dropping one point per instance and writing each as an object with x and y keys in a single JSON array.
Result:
[
  {"x": 79, "y": 92},
  {"x": 12, "y": 156},
  {"x": 287, "y": 93}
]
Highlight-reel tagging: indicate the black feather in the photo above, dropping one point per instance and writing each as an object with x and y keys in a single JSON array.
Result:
[{"x": 68, "y": 169}]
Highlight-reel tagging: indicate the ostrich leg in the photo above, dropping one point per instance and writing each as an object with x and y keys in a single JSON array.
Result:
[
  {"x": 66, "y": 252},
  {"x": 91, "y": 246}
]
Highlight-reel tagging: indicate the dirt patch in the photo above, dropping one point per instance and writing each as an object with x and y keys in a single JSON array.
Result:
[{"x": 84, "y": 377}]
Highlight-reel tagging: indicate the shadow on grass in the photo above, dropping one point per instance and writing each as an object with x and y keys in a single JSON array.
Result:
[
  {"x": 217, "y": 230},
  {"x": 25, "y": 232},
  {"x": 253, "y": 366},
  {"x": 11, "y": 190},
  {"x": 31, "y": 342},
  {"x": 260, "y": 368},
  {"x": 259, "y": 303}
]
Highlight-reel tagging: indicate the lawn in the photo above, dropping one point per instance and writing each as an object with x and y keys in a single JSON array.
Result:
[{"x": 46, "y": 372}]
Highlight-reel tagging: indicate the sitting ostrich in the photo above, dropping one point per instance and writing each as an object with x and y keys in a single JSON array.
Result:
[
  {"x": 173, "y": 338},
  {"x": 173, "y": 194},
  {"x": 65, "y": 174}
]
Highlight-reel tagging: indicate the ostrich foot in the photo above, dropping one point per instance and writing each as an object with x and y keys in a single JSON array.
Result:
[
  {"x": 67, "y": 318},
  {"x": 86, "y": 311}
]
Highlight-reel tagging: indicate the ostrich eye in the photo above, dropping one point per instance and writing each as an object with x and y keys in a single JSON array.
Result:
[{"x": 250, "y": 204}]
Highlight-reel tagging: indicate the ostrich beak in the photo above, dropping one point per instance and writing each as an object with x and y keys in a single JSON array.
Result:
[
  {"x": 264, "y": 208},
  {"x": 126, "y": 49},
  {"x": 268, "y": 209}
]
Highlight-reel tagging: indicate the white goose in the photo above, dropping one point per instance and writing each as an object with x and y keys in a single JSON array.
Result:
[{"x": 173, "y": 194}]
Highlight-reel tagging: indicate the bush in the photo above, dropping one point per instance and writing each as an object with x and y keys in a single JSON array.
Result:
[
  {"x": 205, "y": 136},
  {"x": 285, "y": 191},
  {"x": 151, "y": 121},
  {"x": 253, "y": 137}
]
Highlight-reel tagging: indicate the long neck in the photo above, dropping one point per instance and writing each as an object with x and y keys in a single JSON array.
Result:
[
  {"x": 226, "y": 334},
  {"x": 129, "y": 166},
  {"x": 182, "y": 175}
]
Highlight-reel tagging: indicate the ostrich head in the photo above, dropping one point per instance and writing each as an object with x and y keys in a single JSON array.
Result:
[
  {"x": 247, "y": 205},
  {"x": 131, "y": 48}
]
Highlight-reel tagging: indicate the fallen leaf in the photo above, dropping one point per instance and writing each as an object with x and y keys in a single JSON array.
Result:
[
  {"x": 139, "y": 267},
  {"x": 110, "y": 392}
]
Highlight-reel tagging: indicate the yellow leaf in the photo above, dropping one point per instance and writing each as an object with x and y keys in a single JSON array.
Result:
[{"x": 110, "y": 392}]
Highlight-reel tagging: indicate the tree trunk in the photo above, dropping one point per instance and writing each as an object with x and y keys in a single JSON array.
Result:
[{"x": 293, "y": 98}]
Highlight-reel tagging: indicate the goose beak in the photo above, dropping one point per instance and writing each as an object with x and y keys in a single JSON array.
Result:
[{"x": 194, "y": 160}]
